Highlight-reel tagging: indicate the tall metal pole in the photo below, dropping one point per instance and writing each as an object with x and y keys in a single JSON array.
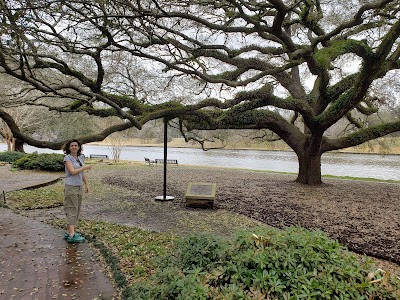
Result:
[
  {"x": 164, "y": 197},
  {"x": 165, "y": 156}
]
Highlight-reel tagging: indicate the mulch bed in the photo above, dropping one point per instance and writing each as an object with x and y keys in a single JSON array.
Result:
[{"x": 363, "y": 215}]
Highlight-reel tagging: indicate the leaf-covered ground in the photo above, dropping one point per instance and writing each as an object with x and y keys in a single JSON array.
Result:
[{"x": 365, "y": 216}]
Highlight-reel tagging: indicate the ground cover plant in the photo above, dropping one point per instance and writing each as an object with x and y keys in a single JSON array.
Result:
[{"x": 265, "y": 263}]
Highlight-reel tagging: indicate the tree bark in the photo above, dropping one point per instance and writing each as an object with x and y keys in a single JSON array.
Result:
[
  {"x": 19, "y": 146},
  {"x": 309, "y": 158},
  {"x": 10, "y": 145}
]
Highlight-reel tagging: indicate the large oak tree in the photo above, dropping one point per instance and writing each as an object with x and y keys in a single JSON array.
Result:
[{"x": 293, "y": 67}]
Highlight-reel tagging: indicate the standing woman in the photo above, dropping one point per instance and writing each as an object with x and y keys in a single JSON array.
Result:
[{"x": 74, "y": 177}]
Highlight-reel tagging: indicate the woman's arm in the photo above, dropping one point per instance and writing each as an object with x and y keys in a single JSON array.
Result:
[{"x": 73, "y": 171}]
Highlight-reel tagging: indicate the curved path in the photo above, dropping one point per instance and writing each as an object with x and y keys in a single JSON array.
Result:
[
  {"x": 16, "y": 180},
  {"x": 35, "y": 261}
]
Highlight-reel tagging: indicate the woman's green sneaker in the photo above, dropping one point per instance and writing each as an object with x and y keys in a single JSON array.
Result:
[
  {"x": 75, "y": 239},
  {"x": 66, "y": 235}
]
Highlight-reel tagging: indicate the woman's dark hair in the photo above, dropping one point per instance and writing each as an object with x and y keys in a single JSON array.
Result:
[{"x": 66, "y": 150}]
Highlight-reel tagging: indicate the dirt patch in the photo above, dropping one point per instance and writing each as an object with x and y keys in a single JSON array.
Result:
[{"x": 363, "y": 215}]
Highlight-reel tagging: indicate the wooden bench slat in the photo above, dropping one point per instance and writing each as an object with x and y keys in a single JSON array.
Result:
[
  {"x": 98, "y": 156},
  {"x": 160, "y": 161},
  {"x": 169, "y": 161}
]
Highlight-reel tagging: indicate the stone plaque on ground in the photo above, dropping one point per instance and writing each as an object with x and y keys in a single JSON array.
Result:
[{"x": 200, "y": 194}]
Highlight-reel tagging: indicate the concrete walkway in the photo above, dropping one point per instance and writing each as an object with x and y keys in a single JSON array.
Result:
[
  {"x": 37, "y": 263},
  {"x": 12, "y": 180}
]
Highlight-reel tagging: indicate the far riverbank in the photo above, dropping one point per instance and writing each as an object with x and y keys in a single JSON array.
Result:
[{"x": 381, "y": 146}]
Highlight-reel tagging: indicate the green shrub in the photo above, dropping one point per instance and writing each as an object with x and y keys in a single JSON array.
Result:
[
  {"x": 10, "y": 157},
  {"x": 200, "y": 250},
  {"x": 265, "y": 264},
  {"x": 45, "y": 162}
]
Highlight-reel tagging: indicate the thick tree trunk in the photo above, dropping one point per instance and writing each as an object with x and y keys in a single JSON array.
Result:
[
  {"x": 310, "y": 162},
  {"x": 19, "y": 146}
]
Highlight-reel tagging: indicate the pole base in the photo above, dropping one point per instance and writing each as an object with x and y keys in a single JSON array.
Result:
[{"x": 161, "y": 198}]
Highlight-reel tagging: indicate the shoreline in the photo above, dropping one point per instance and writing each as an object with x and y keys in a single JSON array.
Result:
[{"x": 272, "y": 172}]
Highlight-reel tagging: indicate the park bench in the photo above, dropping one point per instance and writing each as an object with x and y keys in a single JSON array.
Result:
[
  {"x": 98, "y": 156},
  {"x": 149, "y": 162},
  {"x": 169, "y": 161}
]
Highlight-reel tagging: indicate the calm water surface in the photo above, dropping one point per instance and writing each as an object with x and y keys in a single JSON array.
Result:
[{"x": 339, "y": 164}]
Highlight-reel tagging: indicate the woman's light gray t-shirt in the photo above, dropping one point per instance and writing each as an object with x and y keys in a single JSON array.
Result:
[{"x": 75, "y": 180}]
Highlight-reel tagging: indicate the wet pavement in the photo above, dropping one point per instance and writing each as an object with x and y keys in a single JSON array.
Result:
[
  {"x": 11, "y": 180},
  {"x": 37, "y": 263}
]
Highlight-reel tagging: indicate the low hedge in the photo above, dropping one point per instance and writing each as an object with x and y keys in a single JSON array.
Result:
[
  {"x": 10, "y": 157},
  {"x": 45, "y": 162}
]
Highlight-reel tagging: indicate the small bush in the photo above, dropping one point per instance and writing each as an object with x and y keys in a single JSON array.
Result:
[
  {"x": 265, "y": 264},
  {"x": 200, "y": 250},
  {"x": 11, "y": 156},
  {"x": 45, "y": 162}
]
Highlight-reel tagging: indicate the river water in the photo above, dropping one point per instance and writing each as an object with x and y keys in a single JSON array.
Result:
[{"x": 338, "y": 164}]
